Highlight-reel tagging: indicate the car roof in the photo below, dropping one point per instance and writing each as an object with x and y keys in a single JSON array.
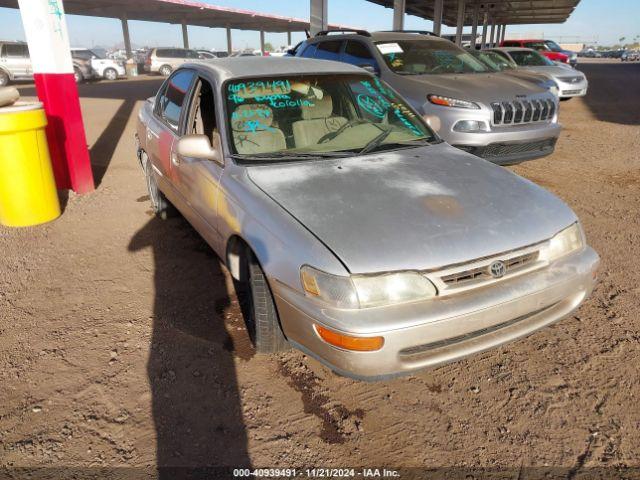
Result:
[
  {"x": 527, "y": 40},
  {"x": 250, "y": 67},
  {"x": 512, "y": 49},
  {"x": 379, "y": 37}
]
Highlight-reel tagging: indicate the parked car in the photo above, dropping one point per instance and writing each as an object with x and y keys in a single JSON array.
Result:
[
  {"x": 15, "y": 64},
  {"x": 590, "y": 53},
  {"x": 504, "y": 64},
  {"x": 497, "y": 117},
  {"x": 571, "y": 82},
  {"x": 166, "y": 60},
  {"x": 102, "y": 67},
  {"x": 630, "y": 56},
  {"x": 362, "y": 238},
  {"x": 548, "y": 48}
]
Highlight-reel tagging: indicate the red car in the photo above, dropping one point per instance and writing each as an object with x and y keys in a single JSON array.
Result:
[{"x": 548, "y": 48}]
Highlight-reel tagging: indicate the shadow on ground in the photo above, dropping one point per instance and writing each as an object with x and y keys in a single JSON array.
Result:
[
  {"x": 130, "y": 92},
  {"x": 196, "y": 405},
  {"x": 608, "y": 93}
]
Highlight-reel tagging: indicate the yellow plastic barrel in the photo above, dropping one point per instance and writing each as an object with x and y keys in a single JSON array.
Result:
[{"x": 28, "y": 193}]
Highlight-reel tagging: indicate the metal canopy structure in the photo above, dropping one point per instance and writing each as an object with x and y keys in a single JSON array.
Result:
[
  {"x": 182, "y": 12},
  {"x": 505, "y": 12}
]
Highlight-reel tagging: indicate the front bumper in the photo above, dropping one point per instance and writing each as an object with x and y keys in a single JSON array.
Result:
[
  {"x": 570, "y": 90},
  {"x": 503, "y": 145},
  {"x": 426, "y": 334}
]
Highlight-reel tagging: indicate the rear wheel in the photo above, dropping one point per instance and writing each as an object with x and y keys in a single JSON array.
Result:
[
  {"x": 159, "y": 203},
  {"x": 110, "y": 74},
  {"x": 165, "y": 70},
  {"x": 261, "y": 315},
  {"x": 77, "y": 75},
  {"x": 4, "y": 78}
]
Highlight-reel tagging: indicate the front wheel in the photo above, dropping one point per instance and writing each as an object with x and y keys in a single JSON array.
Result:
[
  {"x": 4, "y": 78},
  {"x": 110, "y": 74},
  {"x": 77, "y": 75},
  {"x": 262, "y": 322},
  {"x": 165, "y": 70}
]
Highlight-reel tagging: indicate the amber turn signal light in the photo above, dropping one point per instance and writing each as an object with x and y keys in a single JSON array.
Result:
[{"x": 347, "y": 342}]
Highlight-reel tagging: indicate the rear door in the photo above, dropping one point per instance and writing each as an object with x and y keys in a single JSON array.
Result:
[
  {"x": 164, "y": 126},
  {"x": 16, "y": 59}
]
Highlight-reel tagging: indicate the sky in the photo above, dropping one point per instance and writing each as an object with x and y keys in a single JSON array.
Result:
[{"x": 599, "y": 22}]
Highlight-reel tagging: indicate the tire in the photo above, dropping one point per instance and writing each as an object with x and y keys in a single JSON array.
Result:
[
  {"x": 565, "y": 99},
  {"x": 77, "y": 75},
  {"x": 161, "y": 207},
  {"x": 110, "y": 74},
  {"x": 262, "y": 320},
  {"x": 4, "y": 78},
  {"x": 165, "y": 70}
]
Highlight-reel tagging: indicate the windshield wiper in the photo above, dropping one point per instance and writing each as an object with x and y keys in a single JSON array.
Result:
[
  {"x": 287, "y": 156},
  {"x": 375, "y": 143}
]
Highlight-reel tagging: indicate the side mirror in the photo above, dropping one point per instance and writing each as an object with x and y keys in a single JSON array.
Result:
[
  {"x": 199, "y": 146},
  {"x": 369, "y": 68}
]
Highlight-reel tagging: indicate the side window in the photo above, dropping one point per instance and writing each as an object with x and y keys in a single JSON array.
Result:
[
  {"x": 161, "y": 53},
  {"x": 357, "y": 53},
  {"x": 15, "y": 51},
  {"x": 329, "y": 50},
  {"x": 192, "y": 54},
  {"x": 202, "y": 113},
  {"x": 309, "y": 51},
  {"x": 172, "y": 100}
]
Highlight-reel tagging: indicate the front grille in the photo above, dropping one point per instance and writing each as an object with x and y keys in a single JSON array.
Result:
[
  {"x": 570, "y": 79},
  {"x": 505, "y": 149},
  {"x": 483, "y": 273},
  {"x": 526, "y": 111}
]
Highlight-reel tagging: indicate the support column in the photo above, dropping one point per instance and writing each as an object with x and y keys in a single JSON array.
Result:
[
  {"x": 319, "y": 16},
  {"x": 504, "y": 31},
  {"x": 437, "y": 17},
  {"x": 45, "y": 27},
  {"x": 262, "y": 42},
  {"x": 485, "y": 25},
  {"x": 493, "y": 32},
  {"x": 460, "y": 22},
  {"x": 229, "y": 43},
  {"x": 474, "y": 25},
  {"x": 399, "y": 9},
  {"x": 125, "y": 34},
  {"x": 288, "y": 38},
  {"x": 185, "y": 34},
  {"x": 498, "y": 35}
]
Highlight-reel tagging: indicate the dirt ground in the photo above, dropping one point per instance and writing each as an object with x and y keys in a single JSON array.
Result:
[{"x": 122, "y": 343}]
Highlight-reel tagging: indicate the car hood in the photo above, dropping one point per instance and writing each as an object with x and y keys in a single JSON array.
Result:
[
  {"x": 420, "y": 208},
  {"x": 478, "y": 87},
  {"x": 555, "y": 71}
]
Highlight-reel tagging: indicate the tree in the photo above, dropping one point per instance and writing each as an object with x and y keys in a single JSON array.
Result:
[{"x": 268, "y": 47}]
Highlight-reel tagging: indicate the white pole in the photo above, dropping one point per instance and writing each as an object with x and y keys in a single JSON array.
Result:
[{"x": 319, "y": 16}]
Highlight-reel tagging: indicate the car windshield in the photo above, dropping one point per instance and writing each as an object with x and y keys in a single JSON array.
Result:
[
  {"x": 280, "y": 118},
  {"x": 493, "y": 60},
  {"x": 424, "y": 57},
  {"x": 530, "y": 58}
]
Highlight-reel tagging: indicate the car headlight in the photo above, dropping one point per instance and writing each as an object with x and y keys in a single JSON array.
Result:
[
  {"x": 452, "y": 102},
  {"x": 569, "y": 240},
  {"x": 365, "y": 291},
  {"x": 469, "y": 126}
]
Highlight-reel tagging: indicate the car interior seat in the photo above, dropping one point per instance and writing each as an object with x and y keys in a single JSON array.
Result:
[
  {"x": 317, "y": 121},
  {"x": 253, "y": 130}
]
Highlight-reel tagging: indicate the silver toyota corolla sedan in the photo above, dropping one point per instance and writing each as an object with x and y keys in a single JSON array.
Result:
[
  {"x": 571, "y": 82},
  {"x": 365, "y": 240}
]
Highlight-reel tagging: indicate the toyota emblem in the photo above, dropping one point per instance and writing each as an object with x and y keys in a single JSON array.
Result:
[{"x": 498, "y": 269}]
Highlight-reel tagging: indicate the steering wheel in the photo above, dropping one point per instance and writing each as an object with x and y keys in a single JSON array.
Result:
[{"x": 331, "y": 135}]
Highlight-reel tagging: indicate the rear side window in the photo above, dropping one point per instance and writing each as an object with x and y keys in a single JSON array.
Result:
[
  {"x": 172, "y": 100},
  {"x": 163, "y": 52},
  {"x": 15, "y": 51},
  {"x": 329, "y": 50},
  {"x": 511, "y": 44},
  {"x": 357, "y": 53},
  {"x": 191, "y": 54}
]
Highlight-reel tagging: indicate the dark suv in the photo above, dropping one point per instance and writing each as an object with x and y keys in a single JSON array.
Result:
[{"x": 495, "y": 116}]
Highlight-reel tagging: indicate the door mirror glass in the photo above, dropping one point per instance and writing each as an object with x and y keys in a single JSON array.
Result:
[{"x": 199, "y": 146}]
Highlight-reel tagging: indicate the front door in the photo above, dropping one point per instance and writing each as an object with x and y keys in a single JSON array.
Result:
[{"x": 198, "y": 180}]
